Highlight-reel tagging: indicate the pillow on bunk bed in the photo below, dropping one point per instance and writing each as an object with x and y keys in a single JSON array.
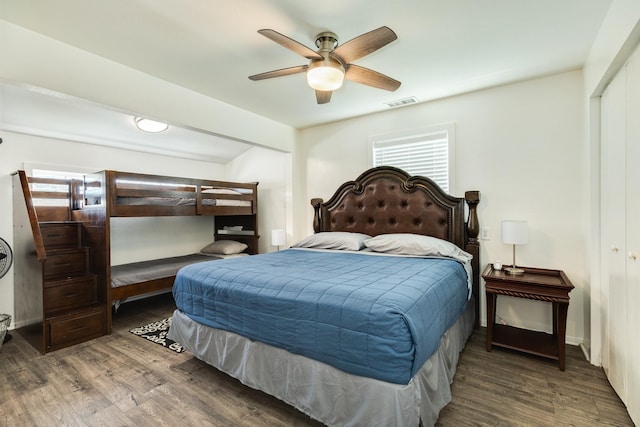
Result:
[
  {"x": 224, "y": 247},
  {"x": 221, "y": 191}
]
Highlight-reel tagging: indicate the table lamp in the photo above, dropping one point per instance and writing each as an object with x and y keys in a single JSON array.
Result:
[
  {"x": 514, "y": 233},
  {"x": 278, "y": 238}
]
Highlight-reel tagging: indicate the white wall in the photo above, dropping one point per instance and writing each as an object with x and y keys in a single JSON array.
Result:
[
  {"x": 615, "y": 41},
  {"x": 272, "y": 170},
  {"x": 521, "y": 145}
]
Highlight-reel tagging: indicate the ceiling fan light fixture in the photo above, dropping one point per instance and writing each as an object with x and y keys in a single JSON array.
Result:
[
  {"x": 328, "y": 66},
  {"x": 151, "y": 126},
  {"x": 325, "y": 75}
]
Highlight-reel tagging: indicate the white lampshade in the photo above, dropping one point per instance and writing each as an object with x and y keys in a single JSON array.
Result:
[
  {"x": 278, "y": 237},
  {"x": 515, "y": 232}
]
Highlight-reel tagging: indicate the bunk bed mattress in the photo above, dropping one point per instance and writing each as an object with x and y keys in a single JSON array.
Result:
[
  {"x": 127, "y": 274},
  {"x": 179, "y": 201},
  {"x": 375, "y": 316}
]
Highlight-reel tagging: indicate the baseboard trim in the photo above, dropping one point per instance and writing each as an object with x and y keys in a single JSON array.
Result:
[{"x": 586, "y": 352}]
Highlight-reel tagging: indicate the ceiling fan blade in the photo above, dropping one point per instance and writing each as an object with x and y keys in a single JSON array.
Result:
[
  {"x": 369, "y": 77},
  {"x": 323, "y": 96},
  {"x": 364, "y": 44},
  {"x": 279, "y": 73},
  {"x": 290, "y": 44}
]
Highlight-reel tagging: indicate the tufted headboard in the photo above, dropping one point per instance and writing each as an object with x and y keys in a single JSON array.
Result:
[{"x": 388, "y": 200}]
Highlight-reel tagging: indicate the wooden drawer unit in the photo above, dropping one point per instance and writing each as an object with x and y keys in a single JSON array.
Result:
[
  {"x": 66, "y": 263},
  {"x": 75, "y": 328},
  {"x": 60, "y": 235},
  {"x": 67, "y": 294},
  {"x": 62, "y": 256}
]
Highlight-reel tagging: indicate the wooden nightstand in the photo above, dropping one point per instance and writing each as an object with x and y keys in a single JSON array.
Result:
[{"x": 537, "y": 284}]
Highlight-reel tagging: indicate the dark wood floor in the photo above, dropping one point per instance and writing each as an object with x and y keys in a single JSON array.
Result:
[{"x": 123, "y": 380}]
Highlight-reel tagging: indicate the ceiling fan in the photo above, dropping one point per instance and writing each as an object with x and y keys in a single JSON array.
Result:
[{"x": 332, "y": 63}]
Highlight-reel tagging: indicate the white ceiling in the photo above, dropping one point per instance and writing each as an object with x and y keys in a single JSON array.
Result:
[
  {"x": 444, "y": 48},
  {"x": 48, "y": 114}
]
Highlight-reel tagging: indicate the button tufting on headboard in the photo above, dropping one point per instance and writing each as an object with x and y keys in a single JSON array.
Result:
[{"x": 387, "y": 200}]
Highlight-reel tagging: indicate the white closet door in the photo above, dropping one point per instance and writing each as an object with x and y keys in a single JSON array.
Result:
[
  {"x": 614, "y": 231},
  {"x": 633, "y": 237},
  {"x": 620, "y": 233}
]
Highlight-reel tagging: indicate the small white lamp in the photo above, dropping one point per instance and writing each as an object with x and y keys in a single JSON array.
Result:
[
  {"x": 278, "y": 238},
  {"x": 514, "y": 233}
]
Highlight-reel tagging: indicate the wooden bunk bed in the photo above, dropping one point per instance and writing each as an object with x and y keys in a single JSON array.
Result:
[
  {"x": 64, "y": 293},
  {"x": 122, "y": 194}
]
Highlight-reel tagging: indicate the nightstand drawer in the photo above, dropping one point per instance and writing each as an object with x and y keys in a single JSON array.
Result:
[
  {"x": 75, "y": 328},
  {"x": 71, "y": 293}
]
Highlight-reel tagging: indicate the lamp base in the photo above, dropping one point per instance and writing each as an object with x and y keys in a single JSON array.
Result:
[{"x": 514, "y": 271}]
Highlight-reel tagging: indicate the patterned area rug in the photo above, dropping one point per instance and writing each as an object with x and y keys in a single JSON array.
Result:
[{"x": 157, "y": 332}]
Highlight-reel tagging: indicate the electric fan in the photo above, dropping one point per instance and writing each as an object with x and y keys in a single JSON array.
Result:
[{"x": 6, "y": 257}]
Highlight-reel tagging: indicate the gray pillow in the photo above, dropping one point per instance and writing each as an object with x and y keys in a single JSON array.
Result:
[
  {"x": 334, "y": 240},
  {"x": 415, "y": 244},
  {"x": 224, "y": 247}
]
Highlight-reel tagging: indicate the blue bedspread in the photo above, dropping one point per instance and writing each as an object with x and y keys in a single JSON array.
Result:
[{"x": 375, "y": 316}]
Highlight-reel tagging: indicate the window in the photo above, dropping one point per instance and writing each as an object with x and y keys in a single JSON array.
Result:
[{"x": 425, "y": 152}]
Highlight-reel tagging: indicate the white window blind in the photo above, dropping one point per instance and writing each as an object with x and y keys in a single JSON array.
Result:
[{"x": 424, "y": 154}]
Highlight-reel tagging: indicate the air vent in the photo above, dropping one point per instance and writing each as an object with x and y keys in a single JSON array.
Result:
[{"x": 401, "y": 102}]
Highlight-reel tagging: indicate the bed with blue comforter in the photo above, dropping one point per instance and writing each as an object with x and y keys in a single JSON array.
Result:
[
  {"x": 377, "y": 316},
  {"x": 364, "y": 321}
]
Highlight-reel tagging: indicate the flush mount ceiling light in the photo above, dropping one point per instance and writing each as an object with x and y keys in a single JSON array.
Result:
[{"x": 149, "y": 125}]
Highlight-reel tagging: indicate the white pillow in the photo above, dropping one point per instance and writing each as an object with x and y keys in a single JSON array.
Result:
[
  {"x": 221, "y": 191},
  {"x": 415, "y": 244},
  {"x": 334, "y": 240},
  {"x": 224, "y": 247}
]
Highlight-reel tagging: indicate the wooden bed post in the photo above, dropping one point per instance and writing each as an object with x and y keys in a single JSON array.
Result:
[
  {"x": 473, "y": 228},
  {"x": 316, "y": 203},
  {"x": 472, "y": 246}
]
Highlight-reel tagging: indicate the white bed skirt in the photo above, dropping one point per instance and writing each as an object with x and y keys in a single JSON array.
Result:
[{"x": 323, "y": 392}]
